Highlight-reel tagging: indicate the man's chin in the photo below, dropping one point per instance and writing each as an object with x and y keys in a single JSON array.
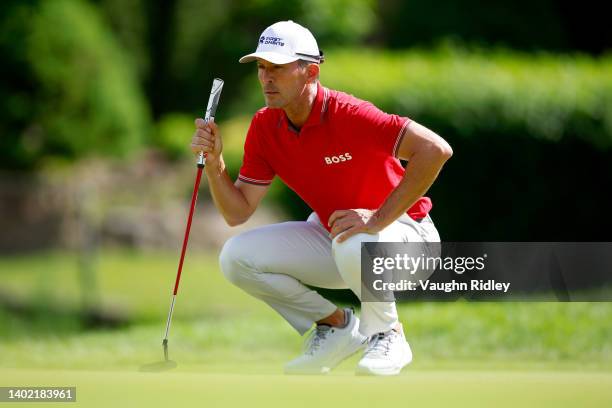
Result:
[{"x": 273, "y": 104}]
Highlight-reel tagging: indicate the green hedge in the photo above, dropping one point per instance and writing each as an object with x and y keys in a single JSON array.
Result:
[
  {"x": 548, "y": 96},
  {"x": 532, "y": 135}
]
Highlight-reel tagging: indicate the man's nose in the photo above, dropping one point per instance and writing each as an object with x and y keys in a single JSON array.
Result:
[{"x": 267, "y": 76}]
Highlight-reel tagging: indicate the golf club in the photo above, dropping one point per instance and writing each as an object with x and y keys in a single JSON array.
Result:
[{"x": 211, "y": 108}]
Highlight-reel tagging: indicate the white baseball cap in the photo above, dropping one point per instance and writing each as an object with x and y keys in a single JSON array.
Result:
[{"x": 285, "y": 42}]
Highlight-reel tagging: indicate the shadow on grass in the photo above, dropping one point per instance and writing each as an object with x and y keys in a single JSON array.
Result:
[{"x": 28, "y": 318}]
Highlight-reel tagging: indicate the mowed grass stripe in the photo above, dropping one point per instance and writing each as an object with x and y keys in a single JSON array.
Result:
[{"x": 439, "y": 388}]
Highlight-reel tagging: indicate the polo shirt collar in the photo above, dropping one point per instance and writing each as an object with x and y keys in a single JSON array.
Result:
[{"x": 319, "y": 107}]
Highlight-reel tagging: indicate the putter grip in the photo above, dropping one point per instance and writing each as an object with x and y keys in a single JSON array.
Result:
[{"x": 211, "y": 109}]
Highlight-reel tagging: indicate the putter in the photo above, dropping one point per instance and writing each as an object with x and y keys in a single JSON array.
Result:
[{"x": 213, "y": 102}]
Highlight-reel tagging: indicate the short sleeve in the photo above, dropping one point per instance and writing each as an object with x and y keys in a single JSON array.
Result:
[
  {"x": 385, "y": 130},
  {"x": 255, "y": 168}
]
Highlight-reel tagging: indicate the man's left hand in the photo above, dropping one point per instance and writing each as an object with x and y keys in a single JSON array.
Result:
[{"x": 347, "y": 223}]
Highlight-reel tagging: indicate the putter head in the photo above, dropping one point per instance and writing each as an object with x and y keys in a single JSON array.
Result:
[
  {"x": 165, "y": 365},
  {"x": 165, "y": 346}
]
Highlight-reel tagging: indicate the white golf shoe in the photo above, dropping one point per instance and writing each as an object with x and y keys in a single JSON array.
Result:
[
  {"x": 327, "y": 346},
  {"x": 386, "y": 354}
]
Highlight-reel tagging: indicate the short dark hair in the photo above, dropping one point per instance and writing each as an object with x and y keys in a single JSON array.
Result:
[{"x": 303, "y": 64}]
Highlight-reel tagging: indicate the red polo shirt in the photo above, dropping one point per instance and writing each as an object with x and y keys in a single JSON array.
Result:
[{"x": 343, "y": 157}]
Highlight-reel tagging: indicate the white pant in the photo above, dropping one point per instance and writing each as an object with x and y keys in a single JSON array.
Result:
[{"x": 273, "y": 262}]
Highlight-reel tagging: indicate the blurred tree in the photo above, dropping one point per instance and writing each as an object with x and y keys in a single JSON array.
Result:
[
  {"x": 180, "y": 45},
  {"x": 64, "y": 73},
  {"x": 172, "y": 134},
  {"x": 67, "y": 88},
  {"x": 189, "y": 42},
  {"x": 342, "y": 22},
  {"x": 129, "y": 21}
]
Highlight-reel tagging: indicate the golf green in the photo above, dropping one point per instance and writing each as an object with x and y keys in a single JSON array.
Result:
[{"x": 342, "y": 388}]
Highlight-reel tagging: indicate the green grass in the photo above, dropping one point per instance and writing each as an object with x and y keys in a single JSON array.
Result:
[
  {"x": 137, "y": 284},
  {"x": 231, "y": 348},
  {"x": 442, "y": 388}
]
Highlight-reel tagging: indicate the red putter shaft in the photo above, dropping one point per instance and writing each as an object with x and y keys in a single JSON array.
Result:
[{"x": 194, "y": 199}]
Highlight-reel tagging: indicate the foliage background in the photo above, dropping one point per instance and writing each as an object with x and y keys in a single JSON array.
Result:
[{"x": 97, "y": 102}]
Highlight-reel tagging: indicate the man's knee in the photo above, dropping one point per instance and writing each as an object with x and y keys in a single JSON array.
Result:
[
  {"x": 233, "y": 258},
  {"x": 351, "y": 248},
  {"x": 347, "y": 255}
]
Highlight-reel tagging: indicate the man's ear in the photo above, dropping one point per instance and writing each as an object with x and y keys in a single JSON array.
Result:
[{"x": 313, "y": 72}]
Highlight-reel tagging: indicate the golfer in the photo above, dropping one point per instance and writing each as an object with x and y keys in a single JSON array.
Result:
[{"x": 341, "y": 156}]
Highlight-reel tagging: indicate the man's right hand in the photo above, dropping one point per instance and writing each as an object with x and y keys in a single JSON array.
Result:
[{"x": 207, "y": 139}]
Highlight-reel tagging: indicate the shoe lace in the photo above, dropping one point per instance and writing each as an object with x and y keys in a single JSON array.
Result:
[
  {"x": 379, "y": 344},
  {"x": 315, "y": 339}
]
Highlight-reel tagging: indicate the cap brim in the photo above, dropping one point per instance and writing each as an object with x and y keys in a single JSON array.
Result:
[{"x": 272, "y": 57}]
